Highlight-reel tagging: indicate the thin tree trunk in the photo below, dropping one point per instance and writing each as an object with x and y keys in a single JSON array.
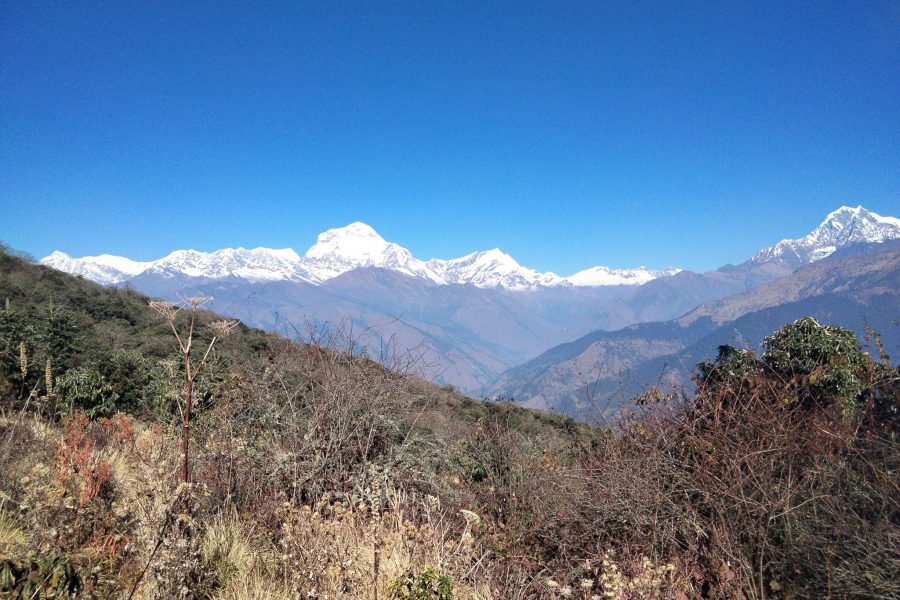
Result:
[{"x": 186, "y": 426}]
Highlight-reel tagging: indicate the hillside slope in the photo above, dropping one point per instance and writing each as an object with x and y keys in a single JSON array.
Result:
[{"x": 78, "y": 325}]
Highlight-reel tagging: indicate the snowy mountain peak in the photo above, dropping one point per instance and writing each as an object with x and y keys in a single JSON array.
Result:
[
  {"x": 356, "y": 242},
  {"x": 499, "y": 259},
  {"x": 343, "y": 249},
  {"x": 484, "y": 258},
  {"x": 597, "y": 276},
  {"x": 842, "y": 227},
  {"x": 492, "y": 268},
  {"x": 847, "y": 215},
  {"x": 105, "y": 269},
  {"x": 497, "y": 254},
  {"x": 282, "y": 253},
  {"x": 845, "y": 212}
]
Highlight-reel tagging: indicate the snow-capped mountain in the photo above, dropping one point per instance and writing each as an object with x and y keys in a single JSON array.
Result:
[
  {"x": 258, "y": 264},
  {"x": 474, "y": 316},
  {"x": 597, "y": 276},
  {"x": 343, "y": 249},
  {"x": 494, "y": 268},
  {"x": 491, "y": 269},
  {"x": 843, "y": 227},
  {"x": 104, "y": 269},
  {"x": 338, "y": 251}
]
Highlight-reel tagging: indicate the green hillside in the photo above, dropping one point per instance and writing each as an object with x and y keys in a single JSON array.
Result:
[{"x": 113, "y": 334}]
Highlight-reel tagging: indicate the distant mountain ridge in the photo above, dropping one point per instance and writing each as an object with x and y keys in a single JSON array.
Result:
[
  {"x": 469, "y": 319},
  {"x": 665, "y": 298},
  {"x": 855, "y": 288},
  {"x": 338, "y": 251}
]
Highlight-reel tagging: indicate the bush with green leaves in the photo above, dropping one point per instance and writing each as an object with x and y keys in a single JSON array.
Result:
[
  {"x": 826, "y": 359},
  {"x": 814, "y": 365},
  {"x": 429, "y": 584},
  {"x": 731, "y": 368},
  {"x": 32, "y": 337},
  {"x": 792, "y": 457},
  {"x": 86, "y": 391}
]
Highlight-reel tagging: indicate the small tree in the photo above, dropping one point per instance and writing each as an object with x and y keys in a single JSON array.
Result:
[{"x": 220, "y": 329}]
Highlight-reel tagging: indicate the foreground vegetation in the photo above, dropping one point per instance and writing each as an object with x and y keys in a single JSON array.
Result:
[{"x": 316, "y": 473}]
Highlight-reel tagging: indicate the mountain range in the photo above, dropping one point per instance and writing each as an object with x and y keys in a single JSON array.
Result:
[
  {"x": 338, "y": 251},
  {"x": 462, "y": 321}
]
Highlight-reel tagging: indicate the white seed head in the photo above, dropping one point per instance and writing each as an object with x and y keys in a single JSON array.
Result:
[
  {"x": 166, "y": 310},
  {"x": 223, "y": 327},
  {"x": 196, "y": 301},
  {"x": 470, "y": 517}
]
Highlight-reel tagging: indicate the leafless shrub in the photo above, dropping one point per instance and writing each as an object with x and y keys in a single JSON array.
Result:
[{"x": 169, "y": 312}]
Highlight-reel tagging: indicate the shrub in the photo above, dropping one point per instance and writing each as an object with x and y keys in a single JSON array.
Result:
[
  {"x": 826, "y": 359},
  {"x": 84, "y": 390},
  {"x": 429, "y": 584}
]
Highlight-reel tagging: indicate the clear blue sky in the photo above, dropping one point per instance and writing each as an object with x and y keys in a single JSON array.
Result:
[{"x": 568, "y": 134}]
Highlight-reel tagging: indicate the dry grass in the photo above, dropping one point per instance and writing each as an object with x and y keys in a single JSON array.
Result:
[
  {"x": 255, "y": 587},
  {"x": 325, "y": 550},
  {"x": 13, "y": 539}
]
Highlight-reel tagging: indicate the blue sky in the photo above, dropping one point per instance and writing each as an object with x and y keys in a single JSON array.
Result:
[{"x": 569, "y": 134}]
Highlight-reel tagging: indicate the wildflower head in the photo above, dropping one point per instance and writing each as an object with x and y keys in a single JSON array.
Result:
[
  {"x": 166, "y": 310},
  {"x": 223, "y": 327},
  {"x": 23, "y": 359},
  {"x": 197, "y": 301},
  {"x": 470, "y": 517}
]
